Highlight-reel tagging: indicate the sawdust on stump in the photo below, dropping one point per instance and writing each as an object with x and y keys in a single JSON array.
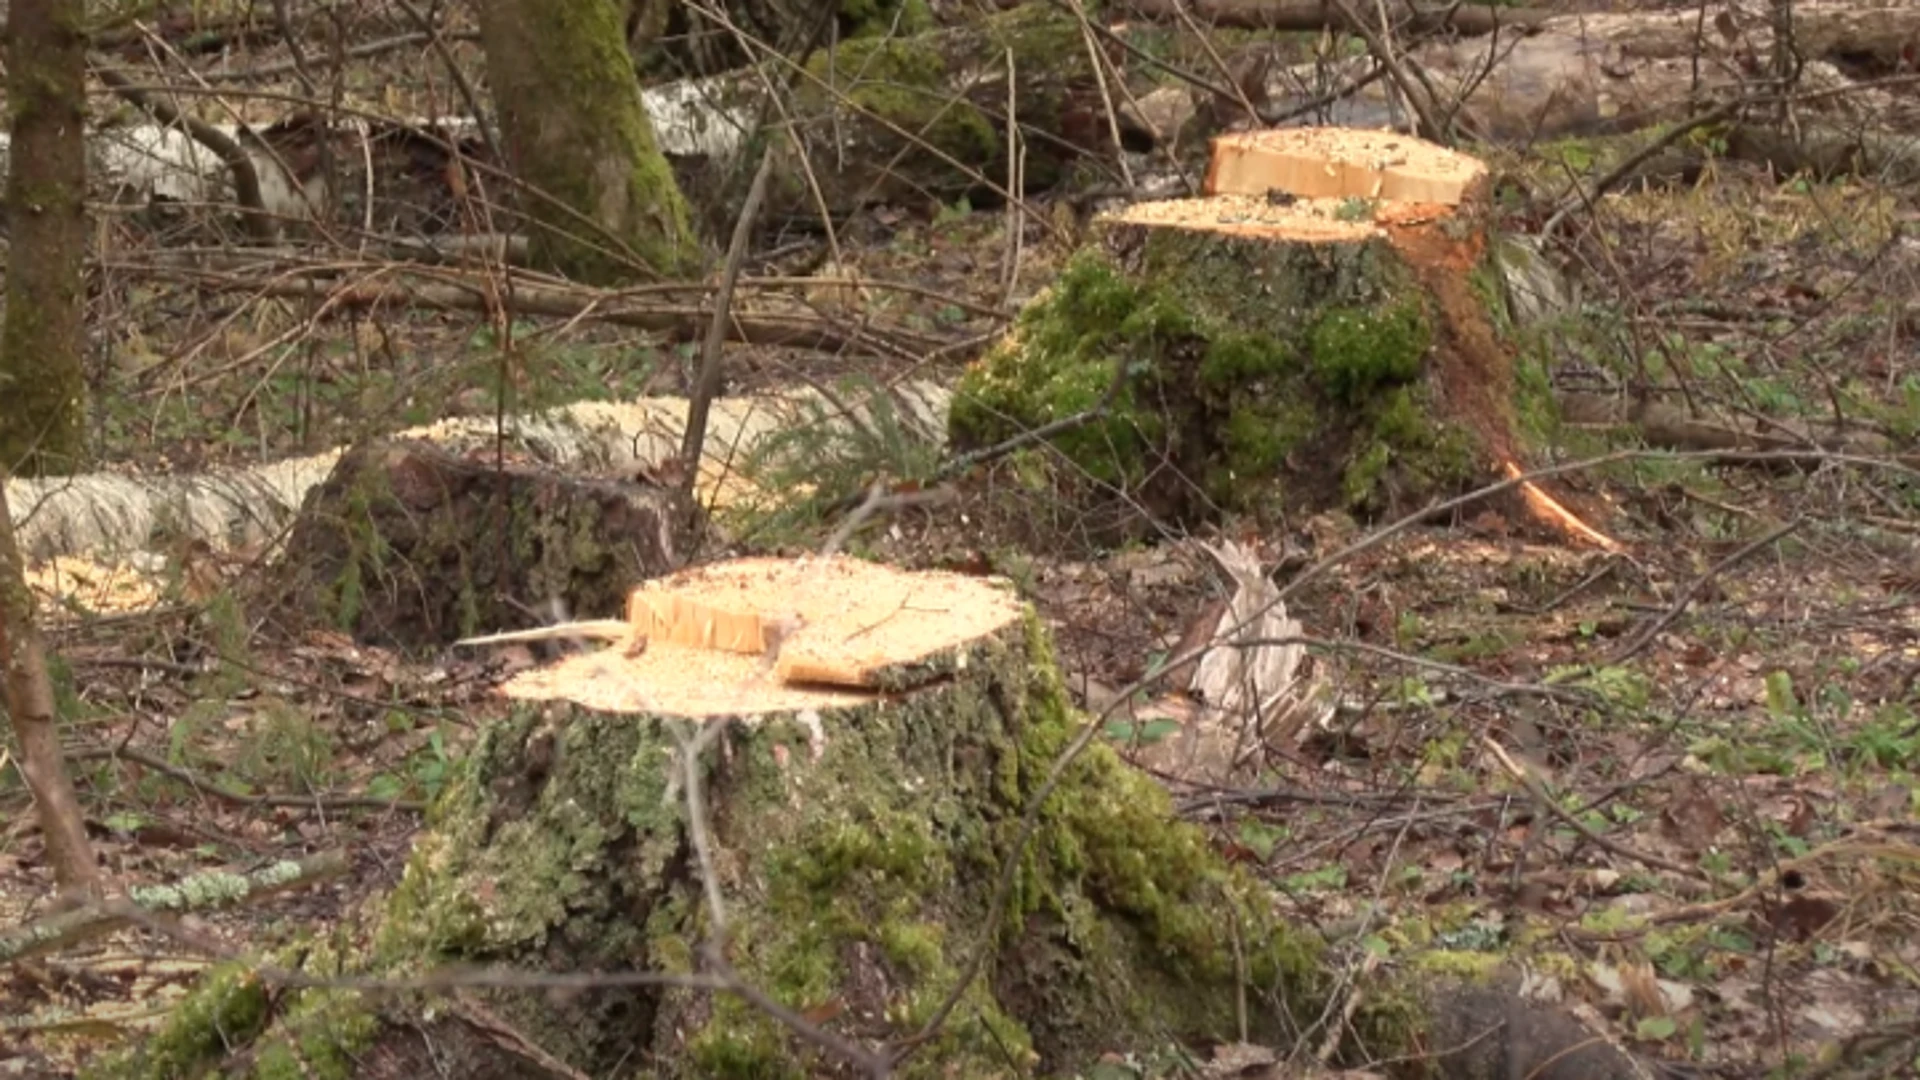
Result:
[{"x": 768, "y": 634}]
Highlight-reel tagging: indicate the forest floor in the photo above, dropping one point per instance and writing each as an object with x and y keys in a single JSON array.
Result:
[{"x": 1725, "y": 718}]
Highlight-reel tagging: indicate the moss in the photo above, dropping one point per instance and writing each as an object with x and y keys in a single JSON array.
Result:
[
  {"x": 1115, "y": 834},
  {"x": 226, "y": 1008},
  {"x": 906, "y": 83},
  {"x": 740, "y": 1043},
  {"x": 1302, "y": 391},
  {"x": 1459, "y": 964},
  {"x": 580, "y": 137},
  {"x": 319, "y": 1034},
  {"x": 322, "y": 1034},
  {"x": 881, "y": 18},
  {"x": 1357, "y": 353},
  {"x": 1061, "y": 362}
]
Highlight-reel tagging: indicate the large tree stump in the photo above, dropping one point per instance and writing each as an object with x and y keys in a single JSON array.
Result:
[
  {"x": 883, "y": 733},
  {"x": 1318, "y": 331},
  {"x": 837, "y": 758}
]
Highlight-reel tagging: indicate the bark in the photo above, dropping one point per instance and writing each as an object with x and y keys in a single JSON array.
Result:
[
  {"x": 601, "y": 198},
  {"x": 409, "y": 546},
  {"x": 42, "y": 382},
  {"x": 29, "y": 701}
]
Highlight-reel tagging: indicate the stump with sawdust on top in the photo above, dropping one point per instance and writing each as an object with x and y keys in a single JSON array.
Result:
[
  {"x": 1323, "y": 329},
  {"x": 882, "y": 733},
  {"x": 865, "y": 743}
]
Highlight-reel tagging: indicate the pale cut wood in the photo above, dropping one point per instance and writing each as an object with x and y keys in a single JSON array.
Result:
[
  {"x": 1304, "y": 220},
  {"x": 760, "y": 635},
  {"x": 1341, "y": 163}
]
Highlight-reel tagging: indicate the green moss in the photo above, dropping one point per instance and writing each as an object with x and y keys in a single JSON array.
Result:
[
  {"x": 569, "y": 107},
  {"x": 1069, "y": 344},
  {"x": 881, "y": 18},
  {"x": 1116, "y": 836},
  {"x": 1358, "y": 352},
  {"x": 742, "y": 1043},
  {"x": 322, "y": 1035},
  {"x": 1282, "y": 378},
  {"x": 226, "y": 1008},
  {"x": 1459, "y": 964},
  {"x": 905, "y": 83}
]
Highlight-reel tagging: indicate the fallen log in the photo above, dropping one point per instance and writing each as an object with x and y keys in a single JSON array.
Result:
[
  {"x": 1318, "y": 331},
  {"x": 743, "y": 861},
  {"x": 109, "y": 516},
  {"x": 1468, "y": 19}
]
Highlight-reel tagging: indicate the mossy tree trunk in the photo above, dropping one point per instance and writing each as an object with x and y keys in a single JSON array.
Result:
[
  {"x": 604, "y": 204},
  {"x": 42, "y": 381}
]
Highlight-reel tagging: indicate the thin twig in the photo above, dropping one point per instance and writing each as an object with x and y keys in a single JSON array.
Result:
[
  {"x": 700, "y": 402},
  {"x": 1646, "y": 635}
]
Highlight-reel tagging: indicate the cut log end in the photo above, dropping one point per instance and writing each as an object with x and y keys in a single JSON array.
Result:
[
  {"x": 769, "y": 635},
  {"x": 1342, "y": 163}
]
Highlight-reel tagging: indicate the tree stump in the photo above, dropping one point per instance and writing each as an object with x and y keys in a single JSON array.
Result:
[
  {"x": 871, "y": 739},
  {"x": 1317, "y": 332},
  {"x": 835, "y": 760},
  {"x": 408, "y": 545}
]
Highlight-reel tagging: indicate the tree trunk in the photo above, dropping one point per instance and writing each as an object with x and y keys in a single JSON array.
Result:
[
  {"x": 42, "y": 383},
  {"x": 601, "y": 197},
  {"x": 29, "y": 700},
  {"x": 1315, "y": 335}
]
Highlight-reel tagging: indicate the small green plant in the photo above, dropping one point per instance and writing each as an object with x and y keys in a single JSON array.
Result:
[
  {"x": 1354, "y": 208},
  {"x": 829, "y": 455}
]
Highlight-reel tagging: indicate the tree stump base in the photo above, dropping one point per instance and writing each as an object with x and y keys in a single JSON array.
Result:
[
  {"x": 408, "y": 545},
  {"x": 1307, "y": 336}
]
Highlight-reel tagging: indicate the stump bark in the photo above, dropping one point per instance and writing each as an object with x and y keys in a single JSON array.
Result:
[
  {"x": 408, "y": 545},
  {"x": 1318, "y": 331}
]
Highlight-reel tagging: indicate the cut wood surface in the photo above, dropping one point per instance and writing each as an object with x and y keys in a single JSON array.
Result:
[
  {"x": 1341, "y": 163},
  {"x": 765, "y": 634}
]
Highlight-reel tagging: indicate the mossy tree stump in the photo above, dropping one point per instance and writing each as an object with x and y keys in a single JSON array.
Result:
[
  {"x": 1315, "y": 332},
  {"x": 885, "y": 732},
  {"x": 865, "y": 744},
  {"x": 406, "y": 544}
]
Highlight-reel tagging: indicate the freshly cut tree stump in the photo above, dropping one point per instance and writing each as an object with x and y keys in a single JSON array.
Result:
[
  {"x": 849, "y": 791},
  {"x": 1321, "y": 333},
  {"x": 408, "y": 545},
  {"x": 862, "y": 795}
]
